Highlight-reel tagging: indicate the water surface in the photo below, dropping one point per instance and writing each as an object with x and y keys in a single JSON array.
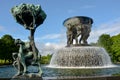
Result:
[{"x": 9, "y": 71}]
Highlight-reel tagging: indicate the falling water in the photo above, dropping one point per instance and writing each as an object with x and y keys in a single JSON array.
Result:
[{"x": 80, "y": 57}]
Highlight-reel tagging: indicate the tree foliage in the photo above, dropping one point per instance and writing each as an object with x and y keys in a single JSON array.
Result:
[
  {"x": 112, "y": 45},
  {"x": 116, "y": 48},
  {"x": 46, "y": 59},
  {"x": 105, "y": 41},
  {"x": 7, "y": 47}
]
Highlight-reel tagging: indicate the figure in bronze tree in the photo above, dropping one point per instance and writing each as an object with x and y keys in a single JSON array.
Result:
[{"x": 30, "y": 16}]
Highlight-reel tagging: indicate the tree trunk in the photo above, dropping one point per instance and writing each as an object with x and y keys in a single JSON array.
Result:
[{"x": 32, "y": 43}]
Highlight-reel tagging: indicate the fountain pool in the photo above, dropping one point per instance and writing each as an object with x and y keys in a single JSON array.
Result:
[{"x": 9, "y": 71}]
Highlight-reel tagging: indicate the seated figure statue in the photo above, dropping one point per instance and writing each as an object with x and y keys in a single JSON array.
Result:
[{"x": 24, "y": 58}]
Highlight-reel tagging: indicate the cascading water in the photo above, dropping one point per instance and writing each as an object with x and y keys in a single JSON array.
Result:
[{"x": 80, "y": 57}]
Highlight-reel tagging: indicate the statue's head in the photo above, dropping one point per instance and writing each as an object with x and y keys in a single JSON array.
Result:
[{"x": 18, "y": 42}]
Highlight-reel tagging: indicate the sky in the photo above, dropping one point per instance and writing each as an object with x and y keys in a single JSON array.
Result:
[{"x": 52, "y": 34}]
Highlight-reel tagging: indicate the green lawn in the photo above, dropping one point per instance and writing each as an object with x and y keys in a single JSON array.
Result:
[{"x": 3, "y": 62}]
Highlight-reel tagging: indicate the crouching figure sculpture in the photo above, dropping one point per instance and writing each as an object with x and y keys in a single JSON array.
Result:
[{"x": 24, "y": 58}]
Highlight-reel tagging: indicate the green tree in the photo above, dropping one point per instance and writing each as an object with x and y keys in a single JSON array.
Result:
[
  {"x": 2, "y": 49},
  {"x": 46, "y": 59},
  {"x": 116, "y": 48},
  {"x": 7, "y": 47},
  {"x": 112, "y": 45},
  {"x": 105, "y": 41}
]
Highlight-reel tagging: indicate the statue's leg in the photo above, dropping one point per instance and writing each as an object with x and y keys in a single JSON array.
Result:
[
  {"x": 81, "y": 38},
  {"x": 39, "y": 69},
  {"x": 19, "y": 68},
  {"x": 15, "y": 64},
  {"x": 76, "y": 39},
  {"x": 24, "y": 66},
  {"x": 15, "y": 56},
  {"x": 71, "y": 42},
  {"x": 85, "y": 39},
  {"x": 39, "y": 66},
  {"x": 22, "y": 61},
  {"x": 68, "y": 43},
  {"x": 68, "y": 40}
]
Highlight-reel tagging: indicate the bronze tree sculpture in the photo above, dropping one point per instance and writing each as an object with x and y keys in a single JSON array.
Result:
[{"x": 30, "y": 16}]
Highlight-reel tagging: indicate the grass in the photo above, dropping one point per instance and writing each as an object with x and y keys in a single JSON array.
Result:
[
  {"x": 117, "y": 74},
  {"x": 3, "y": 62}
]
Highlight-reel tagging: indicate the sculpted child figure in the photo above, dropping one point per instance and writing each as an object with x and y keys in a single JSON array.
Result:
[{"x": 24, "y": 58}]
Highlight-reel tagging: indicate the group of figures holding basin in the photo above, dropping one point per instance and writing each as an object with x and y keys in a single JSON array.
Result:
[{"x": 78, "y": 26}]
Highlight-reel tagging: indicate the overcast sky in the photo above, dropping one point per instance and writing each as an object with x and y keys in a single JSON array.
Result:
[{"x": 52, "y": 33}]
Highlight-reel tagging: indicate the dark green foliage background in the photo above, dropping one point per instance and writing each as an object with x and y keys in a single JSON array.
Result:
[{"x": 7, "y": 47}]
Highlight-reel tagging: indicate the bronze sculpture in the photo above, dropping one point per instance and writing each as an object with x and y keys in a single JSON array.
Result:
[
  {"x": 76, "y": 26},
  {"x": 30, "y": 16},
  {"x": 24, "y": 58}
]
